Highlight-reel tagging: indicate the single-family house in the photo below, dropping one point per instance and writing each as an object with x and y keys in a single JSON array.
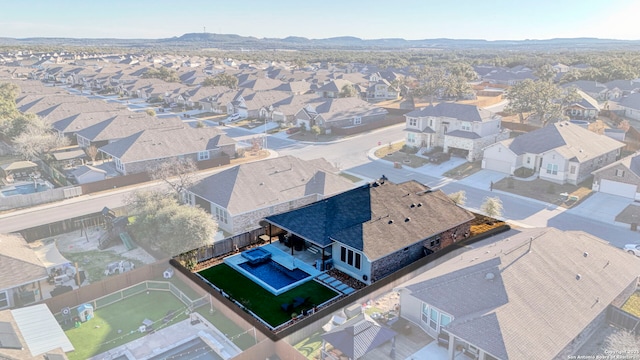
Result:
[
  {"x": 333, "y": 88},
  {"x": 86, "y": 173},
  {"x": 21, "y": 273},
  {"x": 339, "y": 113},
  {"x": 594, "y": 89},
  {"x": 457, "y": 128},
  {"x": 382, "y": 90},
  {"x": 630, "y": 105},
  {"x": 620, "y": 178},
  {"x": 121, "y": 126},
  {"x": 243, "y": 195},
  {"x": 378, "y": 228},
  {"x": 139, "y": 152},
  {"x": 562, "y": 152},
  {"x": 538, "y": 294},
  {"x": 586, "y": 108},
  {"x": 622, "y": 88},
  {"x": 32, "y": 332}
]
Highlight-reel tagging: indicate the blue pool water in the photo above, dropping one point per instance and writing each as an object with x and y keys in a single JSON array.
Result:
[
  {"x": 256, "y": 255},
  {"x": 193, "y": 349},
  {"x": 24, "y": 189},
  {"x": 274, "y": 274}
]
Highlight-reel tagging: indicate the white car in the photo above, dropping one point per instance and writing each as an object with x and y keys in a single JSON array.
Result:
[
  {"x": 234, "y": 117},
  {"x": 633, "y": 249}
]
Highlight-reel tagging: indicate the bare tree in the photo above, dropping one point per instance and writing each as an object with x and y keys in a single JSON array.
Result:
[
  {"x": 622, "y": 342},
  {"x": 36, "y": 139},
  {"x": 459, "y": 197},
  {"x": 177, "y": 173},
  {"x": 91, "y": 152},
  {"x": 492, "y": 207}
]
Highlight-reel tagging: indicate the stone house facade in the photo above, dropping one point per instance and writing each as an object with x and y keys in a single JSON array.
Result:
[{"x": 621, "y": 178}]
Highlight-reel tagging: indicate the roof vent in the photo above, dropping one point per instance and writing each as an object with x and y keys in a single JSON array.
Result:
[
  {"x": 407, "y": 219},
  {"x": 489, "y": 276},
  {"x": 419, "y": 204},
  {"x": 261, "y": 184},
  {"x": 390, "y": 222},
  {"x": 413, "y": 205},
  {"x": 585, "y": 254},
  {"x": 578, "y": 277}
]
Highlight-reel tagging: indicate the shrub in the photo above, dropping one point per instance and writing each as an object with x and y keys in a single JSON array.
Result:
[{"x": 551, "y": 189}]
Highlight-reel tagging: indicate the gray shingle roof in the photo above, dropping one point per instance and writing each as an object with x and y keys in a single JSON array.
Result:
[
  {"x": 372, "y": 218},
  {"x": 260, "y": 184},
  {"x": 164, "y": 143},
  {"x": 462, "y": 112},
  {"x": 463, "y": 134},
  {"x": 121, "y": 126},
  {"x": 346, "y": 108},
  {"x": 587, "y": 86},
  {"x": 19, "y": 264},
  {"x": 570, "y": 139},
  {"x": 632, "y": 101},
  {"x": 534, "y": 303}
]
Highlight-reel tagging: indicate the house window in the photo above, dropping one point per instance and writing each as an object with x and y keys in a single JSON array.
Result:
[
  {"x": 433, "y": 319},
  {"x": 119, "y": 164},
  {"x": 425, "y": 313},
  {"x": 528, "y": 160},
  {"x": 203, "y": 155},
  {"x": 466, "y": 126},
  {"x": 411, "y": 138},
  {"x": 619, "y": 173},
  {"x": 572, "y": 169},
  {"x": 413, "y": 122},
  {"x": 552, "y": 169},
  {"x": 221, "y": 215},
  {"x": 357, "y": 120},
  {"x": 444, "y": 319},
  {"x": 431, "y": 123},
  {"x": 350, "y": 257},
  {"x": 4, "y": 300}
]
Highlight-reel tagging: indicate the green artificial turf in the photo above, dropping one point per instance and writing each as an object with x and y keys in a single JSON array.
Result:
[
  {"x": 102, "y": 332},
  {"x": 260, "y": 301}
]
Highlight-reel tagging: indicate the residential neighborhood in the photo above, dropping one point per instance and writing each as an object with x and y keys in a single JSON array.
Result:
[{"x": 345, "y": 201}]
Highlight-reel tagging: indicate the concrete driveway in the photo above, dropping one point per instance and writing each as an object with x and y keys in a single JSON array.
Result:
[
  {"x": 602, "y": 207},
  {"x": 482, "y": 179}
]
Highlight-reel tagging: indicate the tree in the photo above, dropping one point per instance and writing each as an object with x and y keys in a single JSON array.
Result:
[
  {"x": 150, "y": 112},
  {"x": 315, "y": 130},
  {"x": 348, "y": 90},
  {"x": 492, "y": 207},
  {"x": 520, "y": 98},
  {"x": 177, "y": 173},
  {"x": 168, "y": 75},
  {"x": 37, "y": 138},
  {"x": 546, "y": 73},
  {"x": 622, "y": 342},
  {"x": 545, "y": 100},
  {"x": 222, "y": 79},
  {"x": 162, "y": 223},
  {"x": 459, "y": 197},
  {"x": 92, "y": 152},
  {"x": 431, "y": 82},
  {"x": 455, "y": 86}
]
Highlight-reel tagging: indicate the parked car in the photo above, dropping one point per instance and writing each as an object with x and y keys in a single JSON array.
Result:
[
  {"x": 633, "y": 249},
  {"x": 234, "y": 117},
  {"x": 439, "y": 157}
]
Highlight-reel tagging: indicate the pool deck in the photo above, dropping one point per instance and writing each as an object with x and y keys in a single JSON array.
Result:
[{"x": 162, "y": 340}]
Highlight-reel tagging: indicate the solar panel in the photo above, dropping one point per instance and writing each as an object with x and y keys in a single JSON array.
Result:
[{"x": 8, "y": 337}]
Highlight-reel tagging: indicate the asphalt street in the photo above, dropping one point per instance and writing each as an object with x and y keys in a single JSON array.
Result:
[{"x": 354, "y": 156}]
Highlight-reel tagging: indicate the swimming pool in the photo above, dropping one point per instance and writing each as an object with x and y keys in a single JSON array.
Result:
[
  {"x": 277, "y": 273},
  {"x": 192, "y": 349},
  {"x": 25, "y": 189}
]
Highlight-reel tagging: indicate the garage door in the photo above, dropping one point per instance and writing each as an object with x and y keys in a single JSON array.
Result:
[
  {"x": 497, "y": 165},
  {"x": 616, "y": 188}
]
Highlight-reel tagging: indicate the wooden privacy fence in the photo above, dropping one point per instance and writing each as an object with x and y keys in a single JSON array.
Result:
[
  {"x": 229, "y": 245},
  {"x": 622, "y": 319}
]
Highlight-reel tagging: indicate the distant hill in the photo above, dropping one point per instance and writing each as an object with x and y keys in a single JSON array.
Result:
[{"x": 237, "y": 42}]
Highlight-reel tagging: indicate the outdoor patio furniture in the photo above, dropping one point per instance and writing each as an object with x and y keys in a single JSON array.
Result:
[
  {"x": 286, "y": 307},
  {"x": 443, "y": 340},
  {"x": 299, "y": 301}
]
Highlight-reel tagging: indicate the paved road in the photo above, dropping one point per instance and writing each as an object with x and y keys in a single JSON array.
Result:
[{"x": 353, "y": 156}]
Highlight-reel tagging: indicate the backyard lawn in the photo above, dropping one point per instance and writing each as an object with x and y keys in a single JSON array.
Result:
[
  {"x": 260, "y": 301},
  {"x": 118, "y": 323},
  {"x": 546, "y": 191},
  {"x": 632, "y": 306}
]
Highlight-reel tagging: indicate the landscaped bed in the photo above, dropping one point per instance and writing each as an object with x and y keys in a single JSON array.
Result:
[
  {"x": 546, "y": 191},
  {"x": 261, "y": 302}
]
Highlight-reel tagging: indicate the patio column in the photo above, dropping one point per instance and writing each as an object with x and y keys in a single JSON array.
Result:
[{"x": 452, "y": 348}]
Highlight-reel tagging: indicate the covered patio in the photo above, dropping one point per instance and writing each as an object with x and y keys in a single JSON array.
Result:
[{"x": 18, "y": 170}]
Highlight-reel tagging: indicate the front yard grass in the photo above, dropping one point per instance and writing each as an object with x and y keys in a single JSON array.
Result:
[
  {"x": 632, "y": 305},
  {"x": 350, "y": 177},
  {"x": 310, "y": 347},
  {"x": 118, "y": 323},
  {"x": 260, "y": 301},
  {"x": 393, "y": 152},
  {"x": 464, "y": 170}
]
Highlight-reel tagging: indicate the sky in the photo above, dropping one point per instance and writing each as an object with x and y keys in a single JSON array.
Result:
[{"x": 372, "y": 19}]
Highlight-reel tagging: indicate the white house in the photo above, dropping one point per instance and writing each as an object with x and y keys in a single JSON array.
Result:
[
  {"x": 561, "y": 152},
  {"x": 457, "y": 128}
]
